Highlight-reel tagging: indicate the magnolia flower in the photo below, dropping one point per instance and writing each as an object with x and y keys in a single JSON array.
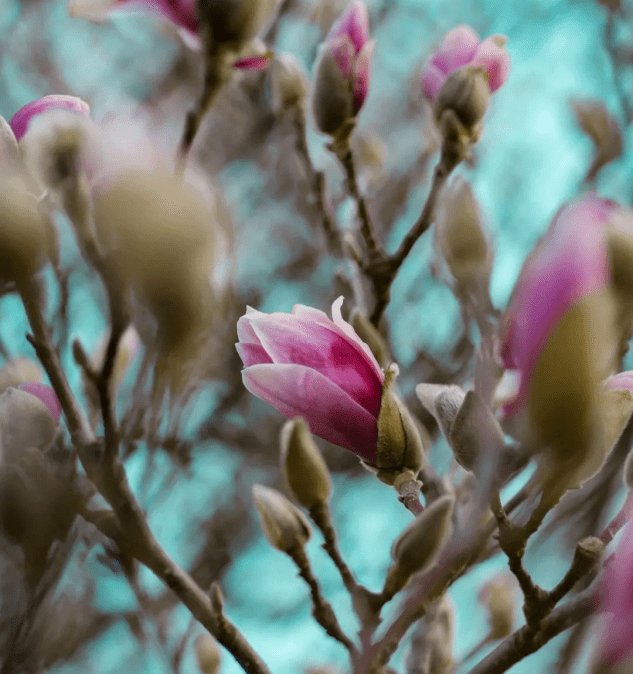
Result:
[
  {"x": 568, "y": 264},
  {"x": 305, "y": 364},
  {"x": 47, "y": 395},
  {"x": 461, "y": 47},
  {"x": 342, "y": 75},
  {"x": 22, "y": 119}
]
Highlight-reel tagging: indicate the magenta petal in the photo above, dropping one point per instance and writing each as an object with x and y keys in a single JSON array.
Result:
[
  {"x": 456, "y": 49},
  {"x": 252, "y": 354},
  {"x": 296, "y": 390},
  {"x": 259, "y": 62},
  {"x": 46, "y": 395},
  {"x": 432, "y": 80},
  {"x": 20, "y": 121},
  {"x": 353, "y": 23},
  {"x": 288, "y": 339},
  {"x": 495, "y": 60}
]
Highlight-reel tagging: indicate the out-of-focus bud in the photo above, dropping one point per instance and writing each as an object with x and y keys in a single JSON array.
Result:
[
  {"x": 594, "y": 119},
  {"x": 368, "y": 333},
  {"x": 23, "y": 234},
  {"x": 159, "y": 233},
  {"x": 459, "y": 235},
  {"x": 208, "y": 654},
  {"x": 303, "y": 466},
  {"x": 288, "y": 83},
  {"x": 419, "y": 545},
  {"x": 284, "y": 525},
  {"x": 26, "y": 421},
  {"x": 498, "y": 596},
  {"x": 465, "y": 91},
  {"x": 443, "y": 402},
  {"x": 341, "y": 80},
  {"x": 18, "y": 371},
  {"x": 432, "y": 641},
  {"x": 59, "y": 147},
  {"x": 399, "y": 448}
]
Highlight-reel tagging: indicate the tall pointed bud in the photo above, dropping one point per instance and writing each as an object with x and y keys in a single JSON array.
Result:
[
  {"x": 303, "y": 466},
  {"x": 288, "y": 84},
  {"x": 283, "y": 524},
  {"x": 208, "y": 654},
  {"x": 419, "y": 545}
]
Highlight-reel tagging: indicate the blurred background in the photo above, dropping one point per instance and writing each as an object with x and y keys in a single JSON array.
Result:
[{"x": 532, "y": 158}]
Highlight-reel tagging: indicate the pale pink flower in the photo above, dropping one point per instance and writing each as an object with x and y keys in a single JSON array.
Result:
[
  {"x": 305, "y": 364},
  {"x": 349, "y": 44},
  {"x": 461, "y": 47},
  {"x": 569, "y": 263},
  {"x": 25, "y": 115},
  {"x": 617, "y": 599},
  {"x": 46, "y": 395}
]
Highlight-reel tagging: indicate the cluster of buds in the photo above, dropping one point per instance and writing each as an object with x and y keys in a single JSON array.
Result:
[{"x": 305, "y": 364}]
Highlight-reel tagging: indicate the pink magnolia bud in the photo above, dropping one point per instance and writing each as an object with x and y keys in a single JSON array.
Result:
[
  {"x": 568, "y": 264},
  {"x": 461, "y": 47},
  {"x": 348, "y": 46},
  {"x": 46, "y": 395},
  {"x": 24, "y": 116},
  {"x": 623, "y": 380},
  {"x": 305, "y": 364}
]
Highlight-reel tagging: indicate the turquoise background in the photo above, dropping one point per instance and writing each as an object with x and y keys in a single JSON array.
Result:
[{"x": 531, "y": 159}]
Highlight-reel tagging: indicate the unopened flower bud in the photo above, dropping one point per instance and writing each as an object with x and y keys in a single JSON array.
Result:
[
  {"x": 459, "y": 235},
  {"x": 331, "y": 100},
  {"x": 419, "y": 545},
  {"x": 432, "y": 640},
  {"x": 25, "y": 421},
  {"x": 208, "y": 654},
  {"x": 399, "y": 446},
  {"x": 443, "y": 402},
  {"x": 22, "y": 231},
  {"x": 467, "y": 93},
  {"x": 46, "y": 395},
  {"x": 475, "y": 433},
  {"x": 284, "y": 525},
  {"x": 303, "y": 466},
  {"x": 288, "y": 83},
  {"x": 18, "y": 371},
  {"x": 498, "y": 597},
  {"x": 370, "y": 335}
]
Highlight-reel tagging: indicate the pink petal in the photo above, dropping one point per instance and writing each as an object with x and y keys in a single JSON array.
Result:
[
  {"x": 353, "y": 23},
  {"x": 245, "y": 332},
  {"x": 456, "y": 49},
  {"x": 290, "y": 340},
  {"x": 361, "y": 74},
  {"x": 296, "y": 390},
  {"x": 252, "y": 354},
  {"x": 623, "y": 380},
  {"x": 259, "y": 62},
  {"x": 22, "y": 118},
  {"x": 495, "y": 60},
  {"x": 342, "y": 52},
  {"x": 46, "y": 395},
  {"x": 432, "y": 80},
  {"x": 569, "y": 263}
]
